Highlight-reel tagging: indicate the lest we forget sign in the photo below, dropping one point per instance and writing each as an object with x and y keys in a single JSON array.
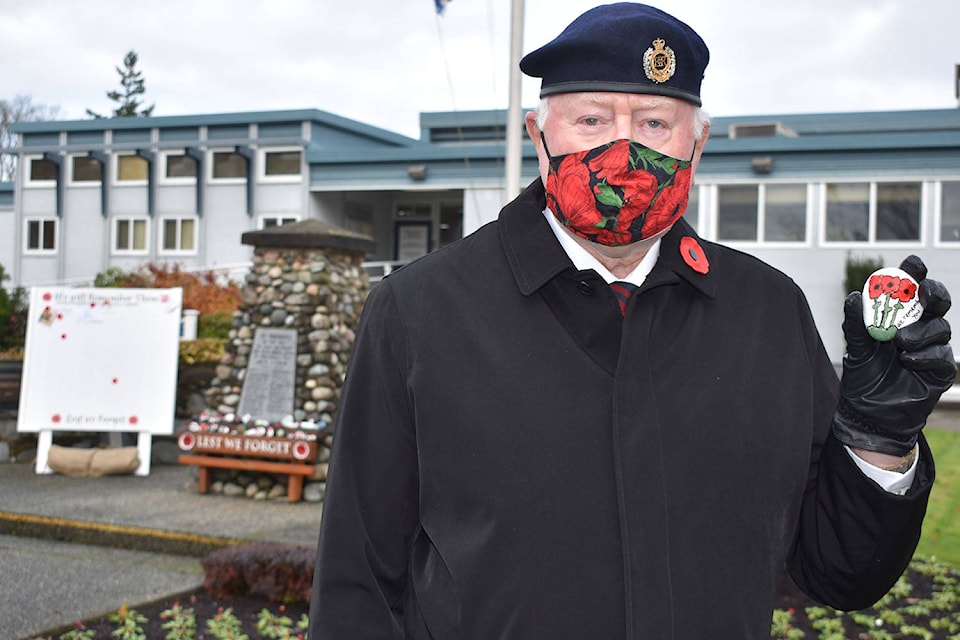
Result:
[{"x": 102, "y": 360}]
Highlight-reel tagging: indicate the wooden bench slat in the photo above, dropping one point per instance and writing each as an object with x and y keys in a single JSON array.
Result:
[{"x": 294, "y": 471}]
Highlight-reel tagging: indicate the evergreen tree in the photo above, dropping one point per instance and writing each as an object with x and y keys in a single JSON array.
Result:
[{"x": 132, "y": 88}]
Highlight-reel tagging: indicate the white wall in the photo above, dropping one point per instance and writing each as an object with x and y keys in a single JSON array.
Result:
[
  {"x": 820, "y": 274},
  {"x": 481, "y": 206}
]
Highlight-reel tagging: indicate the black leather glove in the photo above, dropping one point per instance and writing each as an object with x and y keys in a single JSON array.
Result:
[{"x": 889, "y": 388}]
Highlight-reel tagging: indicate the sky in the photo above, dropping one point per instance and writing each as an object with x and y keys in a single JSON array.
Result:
[{"x": 383, "y": 62}]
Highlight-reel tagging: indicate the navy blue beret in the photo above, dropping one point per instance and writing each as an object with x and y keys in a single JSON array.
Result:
[{"x": 624, "y": 47}]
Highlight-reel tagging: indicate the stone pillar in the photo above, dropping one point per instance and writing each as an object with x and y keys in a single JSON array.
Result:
[{"x": 305, "y": 276}]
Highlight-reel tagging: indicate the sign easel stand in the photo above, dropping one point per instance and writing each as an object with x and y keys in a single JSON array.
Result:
[{"x": 144, "y": 449}]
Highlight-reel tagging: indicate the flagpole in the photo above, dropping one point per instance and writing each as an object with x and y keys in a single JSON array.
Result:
[{"x": 514, "y": 110}]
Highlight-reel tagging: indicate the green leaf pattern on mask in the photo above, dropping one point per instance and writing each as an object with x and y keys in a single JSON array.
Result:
[{"x": 607, "y": 195}]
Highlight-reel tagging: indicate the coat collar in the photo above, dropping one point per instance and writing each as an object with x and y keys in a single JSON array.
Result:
[{"x": 535, "y": 256}]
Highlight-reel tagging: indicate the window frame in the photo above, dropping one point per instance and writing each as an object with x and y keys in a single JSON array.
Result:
[
  {"x": 289, "y": 217},
  {"x": 161, "y": 235},
  {"x": 41, "y": 251},
  {"x": 28, "y": 181},
  {"x": 871, "y": 240},
  {"x": 263, "y": 152},
  {"x": 211, "y": 162},
  {"x": 937, "y": 193},
  {"x": 115, "y": 234},
  {"x": 162, "y": 169},
  {"x": 139, "y": 182},
  {"x": 72, "y": 181},
  {"x": 713, "y": 207}
]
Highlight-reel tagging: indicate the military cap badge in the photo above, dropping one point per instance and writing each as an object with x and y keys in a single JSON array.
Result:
[{"x": 659, "y": 61}]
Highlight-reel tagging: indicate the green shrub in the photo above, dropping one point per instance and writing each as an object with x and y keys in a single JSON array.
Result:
[
  {"x": 215, "y": 325},
  {"x": 201, "y": 350},
  {"x": 13, "y": 317},
  {"x": 858, "y": 270}
]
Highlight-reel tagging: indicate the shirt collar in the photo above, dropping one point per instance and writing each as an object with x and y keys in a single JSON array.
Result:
[
  {"x": 583, "y": 260},
  {"x": 536, "y": 256}
]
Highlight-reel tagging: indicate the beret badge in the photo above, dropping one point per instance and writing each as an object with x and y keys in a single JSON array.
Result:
[{"x": 659, "y": 62}]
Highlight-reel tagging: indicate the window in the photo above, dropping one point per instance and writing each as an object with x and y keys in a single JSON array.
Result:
[
  {"x": 950, "y": 211},
  {"x": 85, "y": 169},
  {"x": 41, "y": 171},
  {"x": 762, "y": 213},
  {"x": 281, "y": 163},
  {"x": 898, "y": 211},
  {"x": 848, "y": 212},
  {"x": 41, "y": 235},
  {"x": 132, "y": 169},
  {"x": 737, "y": 208},
  {"x": 785, "y": 212},
  {"x": 179, "y": 235},
  {"x": 179, "y": 166},
  {"x": 228, "y": 165},
  {"x": 275, "y": 221},
  {"x": 130, "y": 235},
  {"x": 873, "y": 212}
]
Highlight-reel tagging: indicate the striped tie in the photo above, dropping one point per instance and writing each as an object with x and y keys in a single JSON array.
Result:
[{"x": 622, "y": 292}]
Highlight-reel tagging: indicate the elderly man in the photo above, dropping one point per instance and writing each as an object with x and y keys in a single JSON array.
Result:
[{"x": 582, "y": 421}]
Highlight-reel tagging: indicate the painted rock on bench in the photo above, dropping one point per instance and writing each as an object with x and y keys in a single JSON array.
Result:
[{"x": 891, "y": 301}]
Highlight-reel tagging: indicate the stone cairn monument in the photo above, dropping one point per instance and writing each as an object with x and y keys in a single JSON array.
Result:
[{"x": 306, "y": 277}]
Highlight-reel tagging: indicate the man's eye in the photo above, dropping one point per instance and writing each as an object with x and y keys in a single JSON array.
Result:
[
  {"x": 591, "y": 122},
  {"x": 654, "y": 124}
]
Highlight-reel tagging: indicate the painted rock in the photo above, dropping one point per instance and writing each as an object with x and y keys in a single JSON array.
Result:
[{"x": 891, "y": 300}]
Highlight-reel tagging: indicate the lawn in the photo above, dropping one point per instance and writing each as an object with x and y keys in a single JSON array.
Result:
[{"x": 941, "y": 527}]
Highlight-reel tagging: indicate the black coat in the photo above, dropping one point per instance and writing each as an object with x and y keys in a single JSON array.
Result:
[{"x": 515, "y": 460}]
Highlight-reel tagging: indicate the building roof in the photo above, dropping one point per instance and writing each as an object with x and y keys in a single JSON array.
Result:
[{"x": 457, "y": 148}]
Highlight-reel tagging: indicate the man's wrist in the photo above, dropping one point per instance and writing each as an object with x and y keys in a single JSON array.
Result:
[
  {"x": 887, "y": 462},
  {"x": 905, "y": 462}
]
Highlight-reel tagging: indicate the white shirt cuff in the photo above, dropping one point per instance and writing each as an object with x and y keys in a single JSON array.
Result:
[{"x": 890, "y": 481}]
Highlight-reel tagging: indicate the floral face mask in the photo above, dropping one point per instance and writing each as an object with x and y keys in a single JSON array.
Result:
[{"x": 618, "y": 193}]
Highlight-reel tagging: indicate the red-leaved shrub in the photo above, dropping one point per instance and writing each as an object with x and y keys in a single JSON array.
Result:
[{"x": 277, "y": 573}]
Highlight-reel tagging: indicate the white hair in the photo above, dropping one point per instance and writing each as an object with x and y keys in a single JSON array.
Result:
[{"x": 700, "y": 118}]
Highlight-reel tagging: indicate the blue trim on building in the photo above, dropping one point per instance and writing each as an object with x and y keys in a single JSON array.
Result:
[{"x": 323, "y": 118}]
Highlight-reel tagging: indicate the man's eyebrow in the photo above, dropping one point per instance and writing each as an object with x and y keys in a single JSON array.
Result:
[{"x": 602, "y": 100}]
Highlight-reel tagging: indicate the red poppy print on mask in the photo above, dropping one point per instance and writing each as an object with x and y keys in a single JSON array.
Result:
[{"x": 617, "y": 193}]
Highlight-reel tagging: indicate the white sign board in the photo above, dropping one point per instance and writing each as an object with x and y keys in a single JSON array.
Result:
[{"x": 100, "y": 360}]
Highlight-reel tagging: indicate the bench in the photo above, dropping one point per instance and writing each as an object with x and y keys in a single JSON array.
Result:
[
  {"x": 295, "y": 472},
  {"x": 281, "y": 456}
]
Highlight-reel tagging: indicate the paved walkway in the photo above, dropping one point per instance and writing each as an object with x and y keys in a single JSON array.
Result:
[
  {"x": 73, "y": 549},
  {"x": 55, "y": 568}
]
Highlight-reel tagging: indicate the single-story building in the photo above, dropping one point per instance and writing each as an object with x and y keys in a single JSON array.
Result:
[{"x": 804, "y": 192}]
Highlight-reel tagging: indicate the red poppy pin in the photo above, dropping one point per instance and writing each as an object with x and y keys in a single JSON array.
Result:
[{"x": 692, "y": 253}]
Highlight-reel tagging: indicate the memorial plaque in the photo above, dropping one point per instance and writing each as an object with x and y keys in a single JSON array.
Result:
[{"x": 268, "y": 386}]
